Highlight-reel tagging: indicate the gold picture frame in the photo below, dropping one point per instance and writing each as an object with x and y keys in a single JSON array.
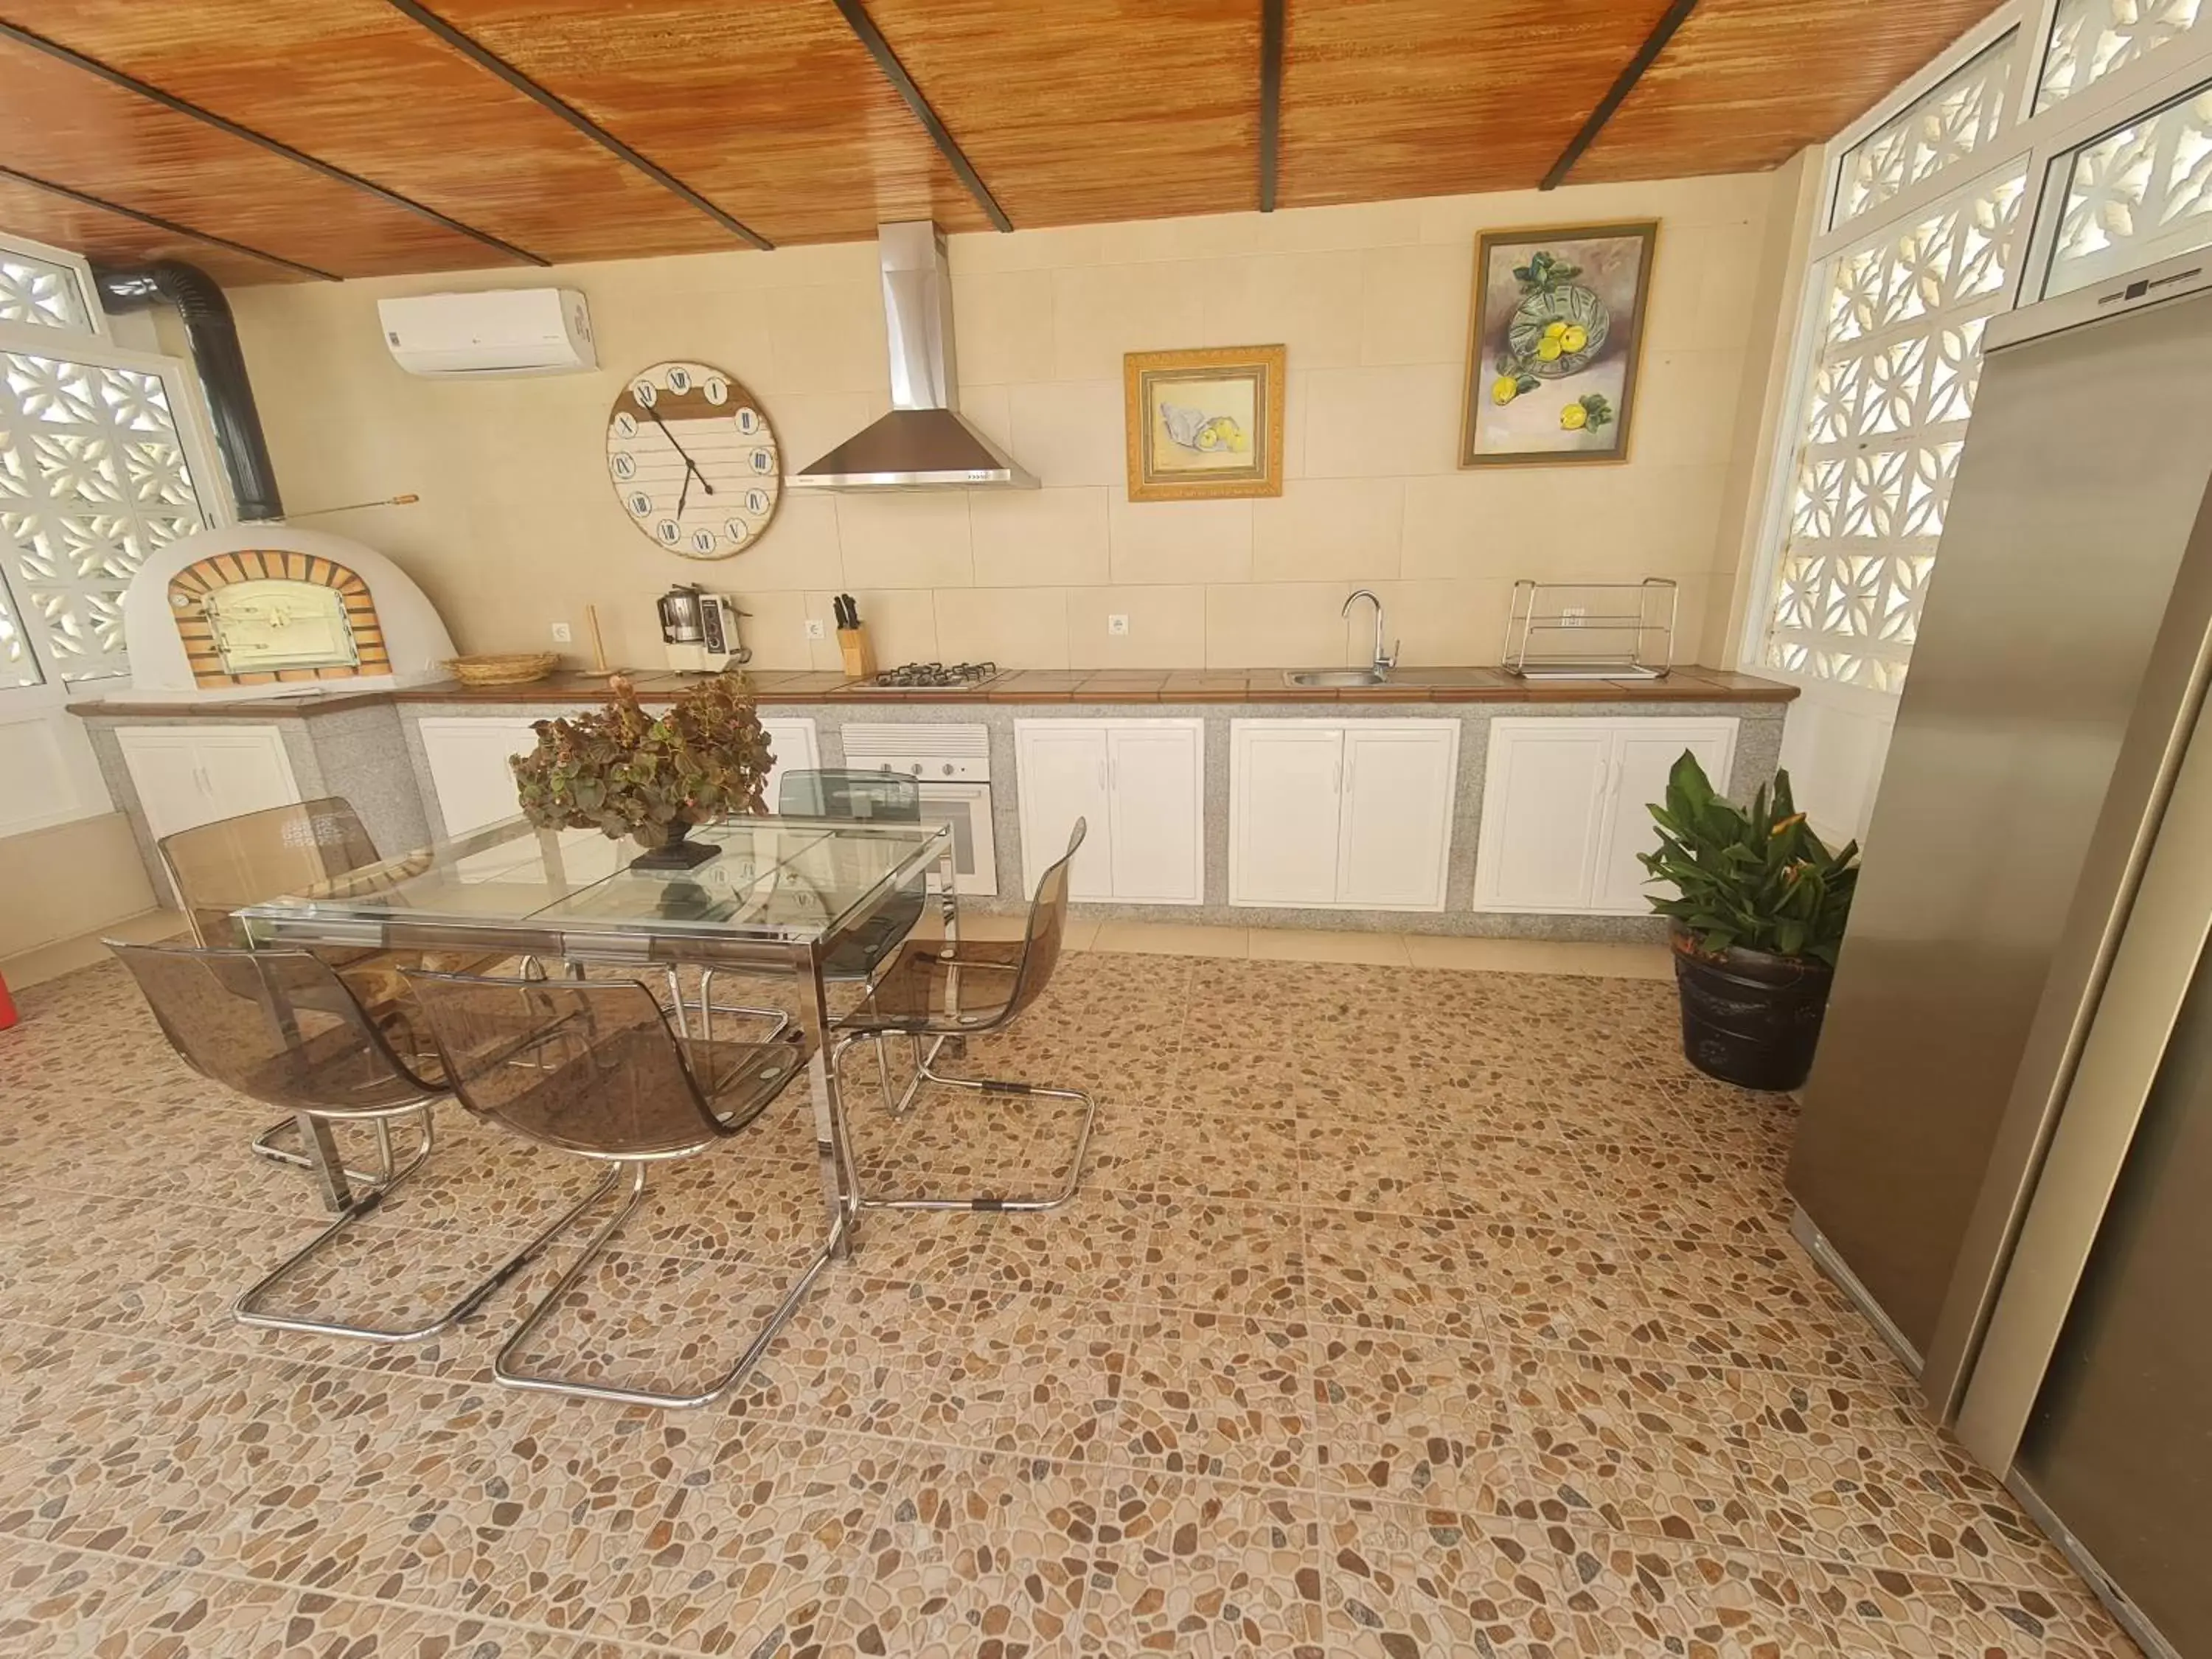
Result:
[
  {"x": 1557, "y": 316},
  {"x": 1204, "y": 424}
]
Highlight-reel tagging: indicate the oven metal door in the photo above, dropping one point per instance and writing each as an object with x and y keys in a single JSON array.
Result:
[{"x": 966, "y": 808}]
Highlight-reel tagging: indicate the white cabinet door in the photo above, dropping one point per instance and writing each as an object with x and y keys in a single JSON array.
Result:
[
  {"x": 247, "y": 770},
  {"x": 1155, "y": 778},
  {"x": 469, "y": 769},
  {"x": 1060, "y": 772},
  {"x": 1543, "y": 798},
  {"x": 165, "y": 769},
  {"x": 186, "y": 776},
  {"x": 1645, "y": 751},
  {"x": 792, "y": 747},
  {"x": 1285, "y": 799},
  {"x": 1395, "y": 838}
]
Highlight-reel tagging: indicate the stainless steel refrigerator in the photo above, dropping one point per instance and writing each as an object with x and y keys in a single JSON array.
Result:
[{"x": 2006, "y": 1149}]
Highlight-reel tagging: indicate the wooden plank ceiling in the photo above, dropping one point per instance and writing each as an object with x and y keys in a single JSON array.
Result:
[{"x": 351, "y": 138}]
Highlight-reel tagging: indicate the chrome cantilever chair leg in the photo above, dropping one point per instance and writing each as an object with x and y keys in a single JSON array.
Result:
[
  {"x": 503, "y": 1365},
  {"x": 264, "y": 1145},
  {"x": 925, "y": 1072},
  {"x": 247, "y": 1310}
]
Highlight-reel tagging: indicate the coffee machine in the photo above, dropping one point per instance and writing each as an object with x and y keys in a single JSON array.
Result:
[{"x": 700, "y": 630}]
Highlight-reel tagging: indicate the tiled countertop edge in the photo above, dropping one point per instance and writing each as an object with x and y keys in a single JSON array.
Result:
[{"x": 1031, "y": 685}]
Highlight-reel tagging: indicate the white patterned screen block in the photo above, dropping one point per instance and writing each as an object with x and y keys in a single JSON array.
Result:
[
  {"x": 17, "y": 666},
  {"x": 1944, "y": 125},
  {"x": 1891, "y": 389},
  {"x": 92, "y": 479},
  {"x": 2137, "y": 196},
  {"x": 42, "y": 293},
  {"x": 2090, "y": 38}
]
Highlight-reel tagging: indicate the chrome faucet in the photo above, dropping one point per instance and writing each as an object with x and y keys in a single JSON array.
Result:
[{"x": 1384, "y": 662}]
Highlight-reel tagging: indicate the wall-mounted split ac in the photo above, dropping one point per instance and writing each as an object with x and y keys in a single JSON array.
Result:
[{"x": 492, "y": 331}]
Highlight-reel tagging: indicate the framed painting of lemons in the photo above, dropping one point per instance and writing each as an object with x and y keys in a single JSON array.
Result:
[
  {"x": 1205, "y": 423},
  {"x": 1556, "y": 330}
]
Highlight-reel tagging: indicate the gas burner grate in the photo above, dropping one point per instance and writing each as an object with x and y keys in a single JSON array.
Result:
[{"x": 937, "y": 674}]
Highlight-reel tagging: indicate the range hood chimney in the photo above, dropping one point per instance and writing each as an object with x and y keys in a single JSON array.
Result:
[
  {"x": 221, "y": 365},
  {"x": 923, "y": 443}
]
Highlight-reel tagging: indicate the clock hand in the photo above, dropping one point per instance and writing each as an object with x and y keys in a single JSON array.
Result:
[
  {"x": 691, "y": 464},
  {"x": 684, "y": 494}
]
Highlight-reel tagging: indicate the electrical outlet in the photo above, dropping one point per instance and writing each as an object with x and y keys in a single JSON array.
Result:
[
  {"x": 562, "y": 633},
  {"x": 1117, "y": 624},
  {"x": 815, "y": 630},
  {"x": 1570, "y": 616}
]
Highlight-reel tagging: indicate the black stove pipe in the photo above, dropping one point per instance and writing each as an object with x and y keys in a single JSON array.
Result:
[{"x": 221, "y": 365}]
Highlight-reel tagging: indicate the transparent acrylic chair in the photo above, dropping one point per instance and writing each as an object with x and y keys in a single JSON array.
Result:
[
  {"x": 282, "y": 1029},
  {"x": 863, "y": 797},
  {"x": 595, "y": 1069},
  {"x": 978, "y": 987},
  {"x": 219, "y": 868}
]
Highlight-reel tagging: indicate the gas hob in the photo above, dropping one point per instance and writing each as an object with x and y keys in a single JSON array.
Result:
[{"x": 935, "y": 676}]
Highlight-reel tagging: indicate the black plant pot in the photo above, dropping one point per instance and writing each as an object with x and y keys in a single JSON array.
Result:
[
  {"x": 675, "y": 853},
  {"x": 1750, "y": 1017}
]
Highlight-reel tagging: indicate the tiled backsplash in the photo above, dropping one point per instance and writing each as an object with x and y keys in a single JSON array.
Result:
[{"x": 518, "y": 527}]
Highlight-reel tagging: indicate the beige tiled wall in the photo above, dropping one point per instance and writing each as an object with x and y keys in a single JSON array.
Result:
[{"x": 518, "y": 527}]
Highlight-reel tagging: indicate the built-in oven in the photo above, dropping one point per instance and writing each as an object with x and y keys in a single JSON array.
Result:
[{"x": 952, "y": 763}]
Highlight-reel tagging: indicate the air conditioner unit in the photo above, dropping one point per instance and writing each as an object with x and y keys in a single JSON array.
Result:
[{"x": 492, "y": 331}]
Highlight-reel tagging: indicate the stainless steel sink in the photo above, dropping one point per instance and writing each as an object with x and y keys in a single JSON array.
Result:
[{"x": 1322, "y": 677}]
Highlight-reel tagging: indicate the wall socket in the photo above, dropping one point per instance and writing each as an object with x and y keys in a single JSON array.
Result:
[
  {"x": 815, "y": 630},
  {"x": 1117, "y": 624},
  {"x": 562, "y": 633}
]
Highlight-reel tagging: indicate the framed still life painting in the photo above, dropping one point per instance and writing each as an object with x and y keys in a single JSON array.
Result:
[
  {"x": 1557, "y": 328},
  {"x": 1204, "y": 423}
]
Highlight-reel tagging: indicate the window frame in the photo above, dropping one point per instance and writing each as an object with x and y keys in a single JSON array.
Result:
[
  {"x": 195, "y": 433},
  {"x": 2043, "y": 143},
  {"x": 78, "y": 266}
]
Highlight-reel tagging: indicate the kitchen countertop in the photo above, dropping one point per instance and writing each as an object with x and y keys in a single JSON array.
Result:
[{"x": 1019, "y": 685}]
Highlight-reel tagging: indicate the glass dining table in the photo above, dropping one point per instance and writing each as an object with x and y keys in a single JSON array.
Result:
[{"x": 777, "y": 895}]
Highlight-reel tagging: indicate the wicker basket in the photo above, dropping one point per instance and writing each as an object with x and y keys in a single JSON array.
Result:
[{"x": 508, "y": 668}]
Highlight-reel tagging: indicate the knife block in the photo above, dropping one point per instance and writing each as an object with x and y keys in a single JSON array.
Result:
[{"x": 859, "y": 656}]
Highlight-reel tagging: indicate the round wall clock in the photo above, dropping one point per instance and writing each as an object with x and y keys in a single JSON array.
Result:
[{"x": 694, "y": 460}]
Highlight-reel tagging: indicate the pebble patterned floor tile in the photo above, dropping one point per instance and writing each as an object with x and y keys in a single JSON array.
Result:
[
  {"x": 1625, "y": 1445},
  {"x": 1414, "y": 1418},
  {"x": 1224, "y": 1395},
  {"x": 1038, "y": 1375},
  {"x": 1404, "y": 1312}
]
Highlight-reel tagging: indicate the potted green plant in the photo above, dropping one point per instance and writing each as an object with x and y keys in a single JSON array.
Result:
[
  {"x": 1759, "y": 911},
  {"x": 623, "y": 772}
]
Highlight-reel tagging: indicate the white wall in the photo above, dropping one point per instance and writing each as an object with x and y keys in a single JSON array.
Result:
[{"x": 518, "y": 527}]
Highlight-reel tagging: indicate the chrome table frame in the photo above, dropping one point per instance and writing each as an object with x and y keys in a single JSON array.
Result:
[{"x": 278, "y": 923}]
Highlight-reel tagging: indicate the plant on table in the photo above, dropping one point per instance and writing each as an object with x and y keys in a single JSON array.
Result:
[{"x": 623, "y": 772}]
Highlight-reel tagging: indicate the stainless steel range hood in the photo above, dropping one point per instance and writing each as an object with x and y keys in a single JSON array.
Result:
[{"x": 923, "y": 443}]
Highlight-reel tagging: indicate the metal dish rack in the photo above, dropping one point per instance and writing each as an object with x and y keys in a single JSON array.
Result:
[{"x": 1591, "y": 631}]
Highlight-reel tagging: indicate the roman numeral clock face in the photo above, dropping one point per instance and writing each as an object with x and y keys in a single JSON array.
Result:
[{"x": 694, "y": 460}]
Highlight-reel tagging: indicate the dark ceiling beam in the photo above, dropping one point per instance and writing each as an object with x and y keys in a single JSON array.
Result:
[
  {"x": 1646, "y": 55},
  {"x": 169, "y": 225},
  {"x": 1271, "y": 98},
  {"x": 115, "y": 76},
  {"x": 485, "y": 58},
  {"x": 864, "y": 25}
]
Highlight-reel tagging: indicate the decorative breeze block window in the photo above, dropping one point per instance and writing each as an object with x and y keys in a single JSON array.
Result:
[
  {"x": 41, "y": 294},
  {"x": 1890, "y": 390},
  {"x": 2090, "y": 38},
  {"x": 2137, "y": 196},
  {"x": 92, "y": 479},
  {"x": 1944, "y": 125}
]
